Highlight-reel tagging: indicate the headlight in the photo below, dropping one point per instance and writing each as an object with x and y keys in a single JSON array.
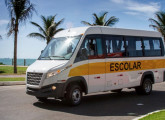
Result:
[
  {"x": 56, "y": 72},
  {"x": 53, "y": 73}
]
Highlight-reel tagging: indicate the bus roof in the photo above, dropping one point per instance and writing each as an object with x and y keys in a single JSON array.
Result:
[{"x": 106, "y": 30}]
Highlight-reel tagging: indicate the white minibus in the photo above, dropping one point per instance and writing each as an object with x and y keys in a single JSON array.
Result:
[{"x": 96, "y": 59}]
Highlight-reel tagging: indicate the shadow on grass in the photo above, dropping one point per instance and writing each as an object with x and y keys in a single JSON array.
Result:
[{"x": 111, "y": 104}]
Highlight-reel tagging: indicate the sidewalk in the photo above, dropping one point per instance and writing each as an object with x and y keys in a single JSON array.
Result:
[
  {"x": 9, "y": 83},
  {"x": 11, "y": 76}
]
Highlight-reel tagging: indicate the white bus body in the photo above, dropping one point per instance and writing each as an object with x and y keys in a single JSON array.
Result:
[{"x": 96, "y": 59}]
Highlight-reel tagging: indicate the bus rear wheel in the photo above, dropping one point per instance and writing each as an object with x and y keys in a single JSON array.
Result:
[{"x": 145, "y": 88}]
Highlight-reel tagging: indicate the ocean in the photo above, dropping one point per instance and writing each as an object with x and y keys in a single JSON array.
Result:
[{"x": 20, "y": 62}]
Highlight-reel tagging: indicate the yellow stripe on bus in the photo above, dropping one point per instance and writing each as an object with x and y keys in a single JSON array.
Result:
[{"x": 116, "y": 66}]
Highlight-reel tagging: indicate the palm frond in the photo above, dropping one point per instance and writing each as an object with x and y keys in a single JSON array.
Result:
[
  {"x": 161, "y": 17},
  {"x": 86, "y": 23},
  {"x": 39, "y": 27},
  {"x": 101, "y": 20},
  {"x": 19, "y": 11},
  {"x": 49, "y": 29},
  {"x": 11, "y": 27},
  {"x": 103, "y": 17},
  {"x": 59, "y": 22},
  {"x": 58, "y": 30},
  {"x": 111, "y": 21},
  {"x": 159, "y": 23},
  {"x": 53, "y": 29},
  {"x": 37, "y": 35},
  {"x": 97, "y": 20},
  {"x": 47, "y": 21},
  {"x": 27, "y": 13}
]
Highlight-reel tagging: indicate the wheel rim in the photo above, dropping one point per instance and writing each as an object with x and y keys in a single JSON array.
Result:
[
  {"x": 147, "y": 86},
  {"x": 76, "y": 95}
]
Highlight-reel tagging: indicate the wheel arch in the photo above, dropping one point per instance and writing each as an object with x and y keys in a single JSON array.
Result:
[
  {"x": 77, "y": 80},
  {"x": 147, "y": 74}
]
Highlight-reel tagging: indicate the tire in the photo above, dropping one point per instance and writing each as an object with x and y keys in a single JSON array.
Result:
[
  {"x": 42, "y": 99},
  {"x": 117, "y": 91},
  {"x": 145, "y": 88},
  {"x": 73, "y": 95}
]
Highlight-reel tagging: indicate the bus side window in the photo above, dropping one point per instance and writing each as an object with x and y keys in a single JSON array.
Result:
[
  {"x": 156, "y": 47},
  {"x": 134, "y": 46},
  {"x": 147, "y": 47},
  {"x": 95, "y": 48},
  {"x": 83, "y": 51},
  {"x": 115, "y": 46}
]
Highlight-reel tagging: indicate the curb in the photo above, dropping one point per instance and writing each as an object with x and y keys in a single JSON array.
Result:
[
  {"x": 10, "y": 83},
  {"x": 146, "y": 114}
]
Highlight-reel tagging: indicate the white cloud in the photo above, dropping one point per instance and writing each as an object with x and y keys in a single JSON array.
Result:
[
  {"x": 3, "y": 22},
  {"x": 132, "y": 13},
  {"x": 137, "y": 8}
]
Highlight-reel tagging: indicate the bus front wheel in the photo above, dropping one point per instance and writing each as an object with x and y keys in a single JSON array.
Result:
[{"x": 73, "y": 95}]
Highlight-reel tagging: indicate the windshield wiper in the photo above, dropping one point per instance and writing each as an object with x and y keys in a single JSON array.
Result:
[
  {"x": 46, "y": 57},
  {"x": 58, "y": 56}
]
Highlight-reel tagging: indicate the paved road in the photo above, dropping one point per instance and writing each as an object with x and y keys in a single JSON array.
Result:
[{"x": 16, "y": 105}]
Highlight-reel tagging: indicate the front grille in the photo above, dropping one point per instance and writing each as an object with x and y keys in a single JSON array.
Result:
[{"x": 34, "y": 78}]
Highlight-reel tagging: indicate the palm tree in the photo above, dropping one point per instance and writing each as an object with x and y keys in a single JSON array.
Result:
[
  {"x": 101, "y": 20},
  {"x": 159, "y": 24},
  {"x": 19, "y": 11},
  {"x": 49, "y": 29}
]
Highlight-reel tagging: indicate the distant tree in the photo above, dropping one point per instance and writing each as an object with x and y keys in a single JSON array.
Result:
[
  {"x": 159, "y": 23},
  {"x": 101, "y": 20},
  {"x": 19, "y": 11},
  {"x": 49, "y": 29}
]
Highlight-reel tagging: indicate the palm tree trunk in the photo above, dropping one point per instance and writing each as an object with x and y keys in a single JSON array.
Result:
[{"x": 15, "y": 47}]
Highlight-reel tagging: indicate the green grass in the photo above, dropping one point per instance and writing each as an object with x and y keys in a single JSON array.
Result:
[
  {"x": 13, "y": 79},
  {"x": 155, "y": 116},
  {"x": 7, "y": 70}
]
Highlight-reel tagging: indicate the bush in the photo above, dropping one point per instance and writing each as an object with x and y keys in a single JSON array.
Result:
[{"x": 1, "y": 63}]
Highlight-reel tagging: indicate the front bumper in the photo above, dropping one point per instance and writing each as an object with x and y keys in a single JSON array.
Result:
[{"x": 47, "y": 91}]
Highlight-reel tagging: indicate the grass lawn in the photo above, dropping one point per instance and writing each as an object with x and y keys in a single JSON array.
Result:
[
  {"x": 13, "y": 79},
  {"x": 155, "y": 116},
  {"x": 7, "y": 70}
]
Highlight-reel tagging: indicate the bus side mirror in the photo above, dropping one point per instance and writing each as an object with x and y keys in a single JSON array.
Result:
[
  {"x": 42, "y": 51},
  {"x": 84, "y": 51}
]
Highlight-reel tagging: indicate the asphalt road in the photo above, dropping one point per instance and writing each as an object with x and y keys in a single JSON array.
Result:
[{"x": 16, "y": 105}]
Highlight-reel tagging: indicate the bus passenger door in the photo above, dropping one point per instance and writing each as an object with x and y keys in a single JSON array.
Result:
[{"x": 96, "y": 64}]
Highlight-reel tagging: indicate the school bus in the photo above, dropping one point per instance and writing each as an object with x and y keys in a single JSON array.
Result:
[{"x": 97, "y": 59}]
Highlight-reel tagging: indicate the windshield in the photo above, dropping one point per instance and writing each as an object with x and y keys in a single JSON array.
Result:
[{"x": 60, "y": 48}]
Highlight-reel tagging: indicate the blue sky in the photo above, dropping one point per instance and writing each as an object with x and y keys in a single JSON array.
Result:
[{"x": 132, "y": 14}]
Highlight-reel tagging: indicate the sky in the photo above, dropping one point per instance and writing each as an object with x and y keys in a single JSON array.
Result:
[{"x": 132, "y": 14}]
